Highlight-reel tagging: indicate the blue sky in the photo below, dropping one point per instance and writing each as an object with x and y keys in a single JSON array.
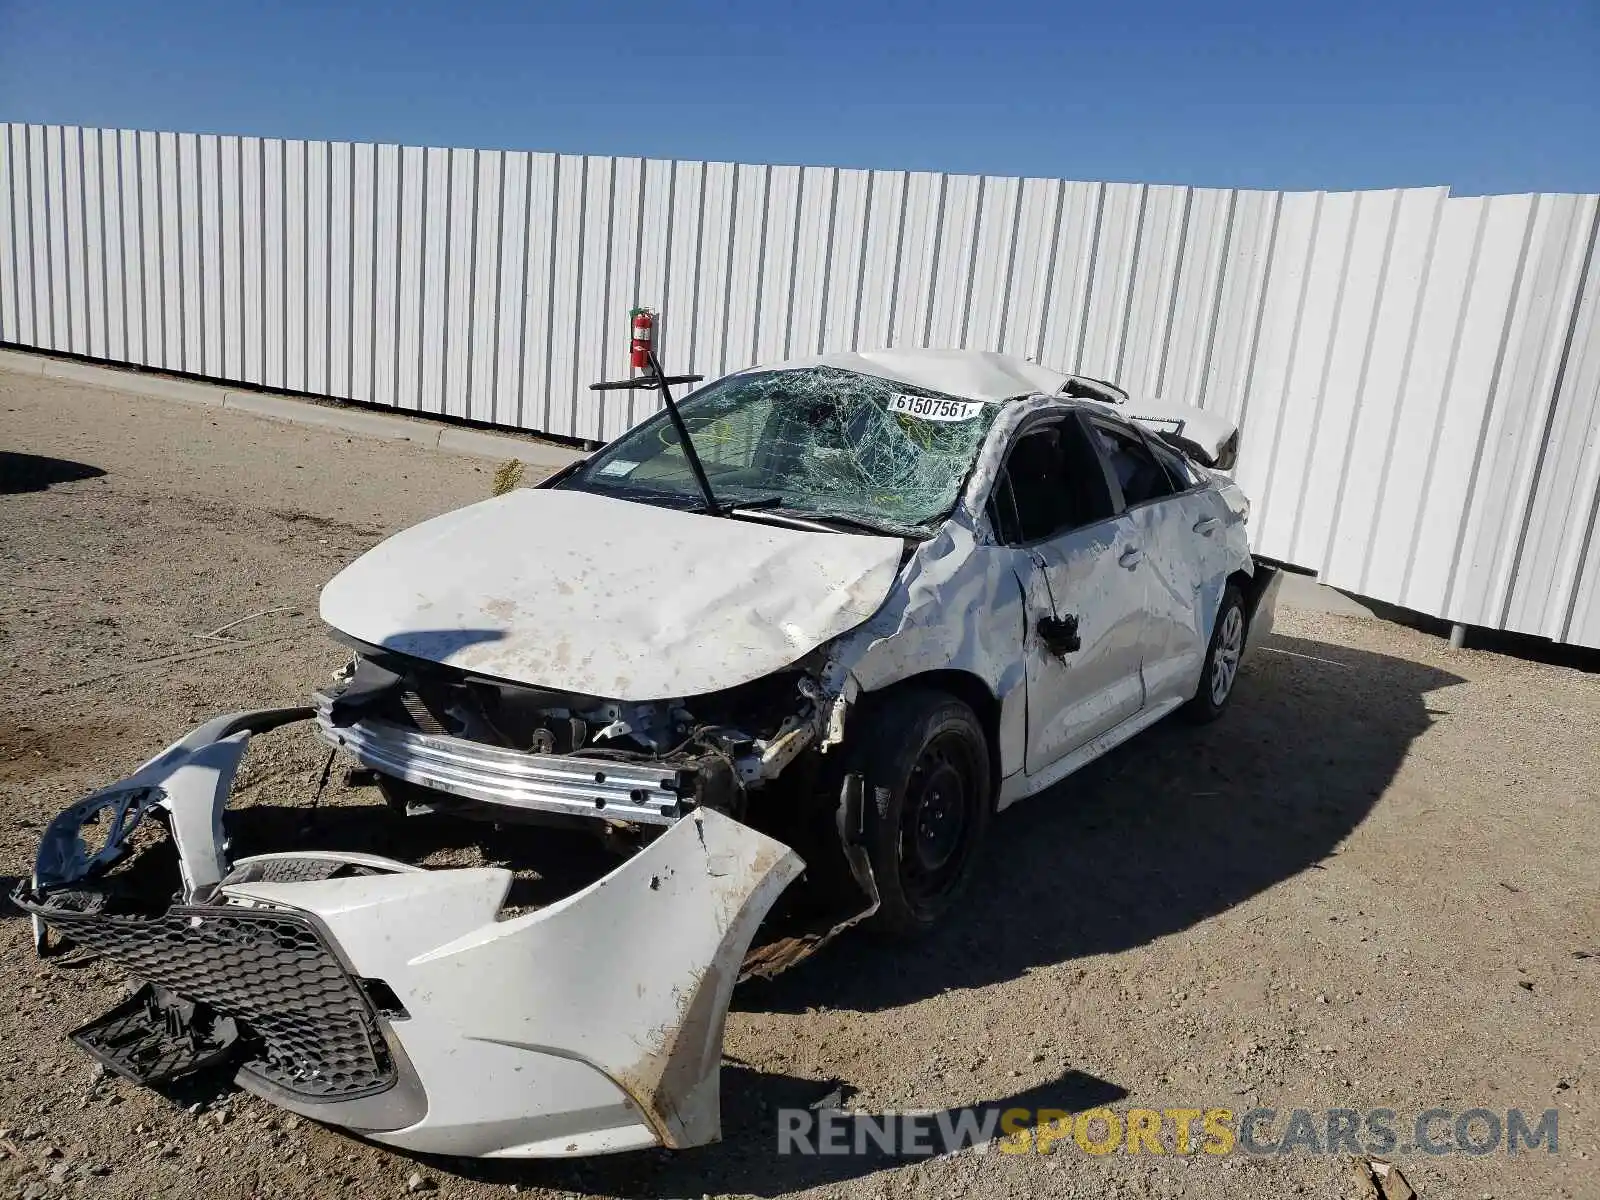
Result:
[{"x": 1483, "y": 95}]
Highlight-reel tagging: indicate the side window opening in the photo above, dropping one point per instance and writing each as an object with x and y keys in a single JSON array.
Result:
[
  {"x": 1140, "y": 474},
  {"x": 1183, "y": 475},
  {"x": 1052, "y": 483}
]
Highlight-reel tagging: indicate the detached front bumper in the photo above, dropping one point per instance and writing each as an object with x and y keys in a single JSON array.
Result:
[{"x": 395, "y": 1001}]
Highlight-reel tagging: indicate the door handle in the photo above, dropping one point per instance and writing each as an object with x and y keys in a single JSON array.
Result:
[
  {"x": 1130, "y": 557},
  {"x": 1205, "y": 525}
]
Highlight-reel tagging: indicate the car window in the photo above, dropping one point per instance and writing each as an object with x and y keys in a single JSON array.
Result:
[
  {"x": 1180, "y": 469},
  {"x": 815, "y": 440},
  {"x": 1139, "y": 473},
  {"x": 1052, "y": 483}
]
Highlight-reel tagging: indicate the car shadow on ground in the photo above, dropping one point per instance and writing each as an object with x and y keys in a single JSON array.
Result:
[
  {"x": 748, "y": 1161},
  {"x": 1179, "y": 824},
  {"x": 34, "y": 473}
]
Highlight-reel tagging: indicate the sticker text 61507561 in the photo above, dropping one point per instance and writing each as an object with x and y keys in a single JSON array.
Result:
[{"x": 933, "y": 408}]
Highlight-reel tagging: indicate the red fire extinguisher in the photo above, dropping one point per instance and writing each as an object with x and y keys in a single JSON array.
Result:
[{"x": 644, "y": 323}]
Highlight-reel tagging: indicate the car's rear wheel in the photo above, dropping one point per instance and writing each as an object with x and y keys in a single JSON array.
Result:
[
  {"x": 1222, "y": 659},
  {"x": 925, "y": 763}
]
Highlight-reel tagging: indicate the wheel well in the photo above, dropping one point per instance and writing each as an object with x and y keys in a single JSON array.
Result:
[{"x": 971, "y": 691}]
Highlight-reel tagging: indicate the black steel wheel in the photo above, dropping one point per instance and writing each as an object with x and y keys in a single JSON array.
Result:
[{"x": 929, "y": 799}]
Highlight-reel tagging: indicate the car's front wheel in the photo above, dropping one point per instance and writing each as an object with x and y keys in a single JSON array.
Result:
[
  {"x": 1222, "y": 659},
  {"x": 925, "y": 763}
]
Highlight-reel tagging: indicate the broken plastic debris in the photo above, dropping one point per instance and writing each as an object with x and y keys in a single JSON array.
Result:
[{"x": 1377, "y": 1179}]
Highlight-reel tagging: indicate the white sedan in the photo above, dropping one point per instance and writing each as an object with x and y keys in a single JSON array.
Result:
[{"x": 826, "y": 617}]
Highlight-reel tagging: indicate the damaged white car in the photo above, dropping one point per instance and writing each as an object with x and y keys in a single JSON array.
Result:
[{"x": 827, "y": 617}]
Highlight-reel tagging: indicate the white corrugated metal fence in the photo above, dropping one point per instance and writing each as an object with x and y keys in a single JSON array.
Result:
[{"x": 1417, "y": 376}]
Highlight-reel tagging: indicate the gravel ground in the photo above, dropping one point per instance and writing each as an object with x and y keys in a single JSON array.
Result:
[{"x": 1372, "y": 885}]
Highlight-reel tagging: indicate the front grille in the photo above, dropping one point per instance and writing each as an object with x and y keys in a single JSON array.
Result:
[{"x": 315, "y": 1033}]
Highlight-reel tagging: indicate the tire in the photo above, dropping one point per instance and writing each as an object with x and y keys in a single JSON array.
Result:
[
  {"x": 1221, "y": 673},
  {"x": 924, "y": 759}
]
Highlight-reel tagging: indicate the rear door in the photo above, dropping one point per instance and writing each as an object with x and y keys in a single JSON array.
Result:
[
  {"x": 1208, "y": 519},
  {"x": 1083, "y": 589},
  {"x": 1173, "y": 524}
]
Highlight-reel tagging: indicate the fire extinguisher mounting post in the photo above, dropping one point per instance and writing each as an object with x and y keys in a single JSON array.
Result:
[{"x": 661, "y": 381}]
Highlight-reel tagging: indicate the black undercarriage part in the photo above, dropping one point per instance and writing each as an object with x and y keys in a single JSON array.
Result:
[{"x": 154, "y": 1037}]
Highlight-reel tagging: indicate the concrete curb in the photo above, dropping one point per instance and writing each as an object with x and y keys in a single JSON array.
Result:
[{"x": 358, "y": 422}]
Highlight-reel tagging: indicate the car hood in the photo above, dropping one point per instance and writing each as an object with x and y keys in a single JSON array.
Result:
[{"x": 584, "y": 593}]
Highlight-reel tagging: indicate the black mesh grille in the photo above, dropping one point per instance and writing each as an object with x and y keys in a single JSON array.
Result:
[{"x": 269, "y": 970}]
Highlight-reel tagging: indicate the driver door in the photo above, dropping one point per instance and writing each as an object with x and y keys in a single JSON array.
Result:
[{"x": 1082, "y": 582}]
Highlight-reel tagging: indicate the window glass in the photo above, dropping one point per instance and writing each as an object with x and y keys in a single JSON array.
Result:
[
  {"x": 815, "y": 440},
  {"x": 1181, "y": 471},
  {"x": 1052, "y": 483},
  {"x": 1140, "y": 475}
]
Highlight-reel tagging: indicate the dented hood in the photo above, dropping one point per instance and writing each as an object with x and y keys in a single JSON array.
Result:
[{"x": 585, "y": 593}]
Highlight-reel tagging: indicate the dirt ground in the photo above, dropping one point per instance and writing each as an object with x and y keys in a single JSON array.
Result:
[{"x": 1374, "y": 884}]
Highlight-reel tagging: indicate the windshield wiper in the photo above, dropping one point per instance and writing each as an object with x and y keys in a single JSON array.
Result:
[
  {"x": 659, "y": 380},
  {"x": 777, "y": 504},
  {"x": 858, "y": 523},
  {"x": 776, "y": 513},
  {"x": 661, "y": 497}
]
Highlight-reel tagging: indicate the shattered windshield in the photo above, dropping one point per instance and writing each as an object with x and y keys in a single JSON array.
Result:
[{"x": 817, "y": 441}]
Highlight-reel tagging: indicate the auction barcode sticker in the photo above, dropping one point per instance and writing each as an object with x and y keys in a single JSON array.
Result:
[{"x": 932, "y": 408}]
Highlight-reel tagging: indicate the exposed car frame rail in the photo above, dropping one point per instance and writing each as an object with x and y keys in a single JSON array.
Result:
[{"x": 650, "y": 792}]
